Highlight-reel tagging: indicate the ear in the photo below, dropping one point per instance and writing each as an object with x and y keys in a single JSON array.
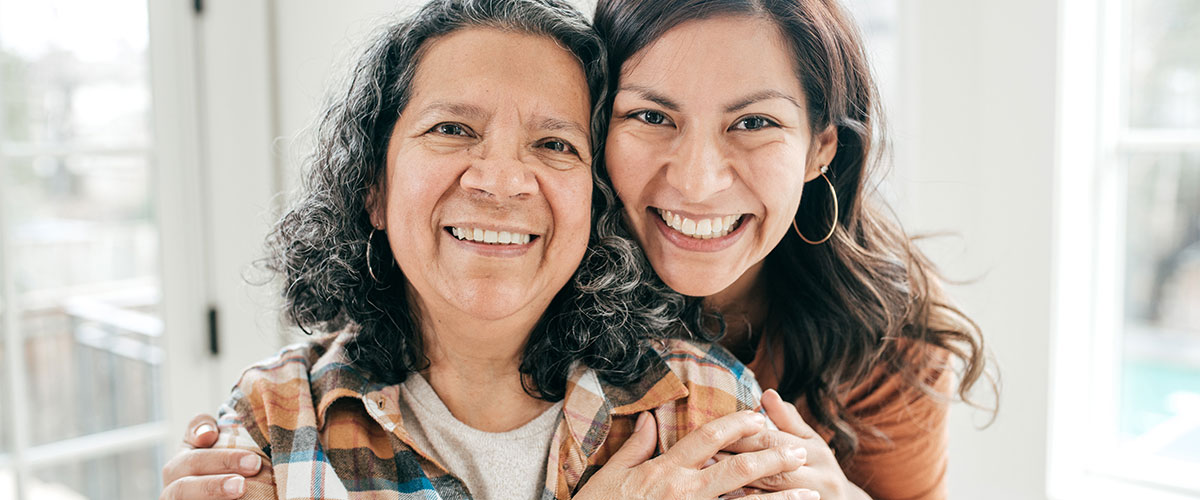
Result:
[
  {"x": 376, "y": 205},
  {"x": 825, "y": 149}
]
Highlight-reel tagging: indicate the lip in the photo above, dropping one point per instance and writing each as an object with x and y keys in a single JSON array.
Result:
[
  {"x": 491, "y": 250},
  {"x": 693, "y": 244}
]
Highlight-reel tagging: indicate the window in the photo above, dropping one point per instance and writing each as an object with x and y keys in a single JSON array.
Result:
[
  {"x": 1127, "y": 398},
  {"x": 1157, "y": 157},
  {"x": 79, "y": 253}
]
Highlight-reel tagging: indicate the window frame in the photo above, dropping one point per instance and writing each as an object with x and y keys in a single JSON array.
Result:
[
  {"x": 173, "y": 154},
  {"x": 1094, "y": 136}
]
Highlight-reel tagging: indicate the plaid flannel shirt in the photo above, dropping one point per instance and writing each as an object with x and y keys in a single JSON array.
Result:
[{"x": 326, "y": 431}]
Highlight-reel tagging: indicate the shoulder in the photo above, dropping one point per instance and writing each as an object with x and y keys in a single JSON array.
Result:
[
  {"x": 911, "y": 373},
  {"x": 708, "y": 370},
  {"x": 291, "y": 364},
  {"x": 276, "y": 392},
  {"x": 904, "y": 411}
]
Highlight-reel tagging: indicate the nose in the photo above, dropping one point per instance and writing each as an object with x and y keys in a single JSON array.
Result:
[
  {"x": 502, "y": 176},
  {"x": 699, "y": 169}
]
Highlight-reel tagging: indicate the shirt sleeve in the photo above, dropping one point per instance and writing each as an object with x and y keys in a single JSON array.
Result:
[{"x": 241, "y": 427}]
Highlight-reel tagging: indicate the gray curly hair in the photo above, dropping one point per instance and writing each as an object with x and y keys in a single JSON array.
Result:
[{"x": 605, "y": 316}]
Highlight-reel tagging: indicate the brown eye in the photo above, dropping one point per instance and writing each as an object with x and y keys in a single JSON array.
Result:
[
  {"x": 558, "y": 146},
  {"x": 651, "y": 117},
  {"x": 451, "y": 129},
  {"x": 754, "y": 123}
]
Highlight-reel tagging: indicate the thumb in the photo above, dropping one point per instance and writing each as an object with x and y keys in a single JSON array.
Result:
[
  {"x": 640, "y": 445},
  {"x": 202, "y": 432},
  {"x": 785, "y": 416}
]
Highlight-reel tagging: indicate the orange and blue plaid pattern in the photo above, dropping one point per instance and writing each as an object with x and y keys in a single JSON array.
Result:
[{"x": 327, "y": 431}]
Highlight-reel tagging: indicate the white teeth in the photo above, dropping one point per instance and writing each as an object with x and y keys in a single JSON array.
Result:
[
  {"x": 715, "y": 227},
  {"x": 490, "y": 237}
]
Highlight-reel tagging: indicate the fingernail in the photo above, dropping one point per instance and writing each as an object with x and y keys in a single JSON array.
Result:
[
  {"x": 250, "y": 463},
  {"x": 640, "y": 422},
  {"x": 759, "y": 418},
  {"x": 234, "y": 485},
  {"x": 203, "y": 429},
  {"x": 799, "y": 452},
  {"x": 807, "y": 495}
]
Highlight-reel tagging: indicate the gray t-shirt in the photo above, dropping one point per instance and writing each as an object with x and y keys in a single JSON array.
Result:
[{"x": 493, "y": 465}]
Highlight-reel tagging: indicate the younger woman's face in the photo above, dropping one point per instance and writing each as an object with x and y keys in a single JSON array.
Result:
[{"x": 709, "y": 148}]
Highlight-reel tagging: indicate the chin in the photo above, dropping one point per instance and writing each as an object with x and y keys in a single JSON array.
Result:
[
  {"x": 489, "y": 307},
  {"x": 491, "y": 302},
  {"x": 694, "y": 284}
]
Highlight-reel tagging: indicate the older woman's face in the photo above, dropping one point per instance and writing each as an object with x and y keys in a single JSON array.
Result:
[
  {"x": 488, "y": 188},
  {"x": 709, "y": 149}
]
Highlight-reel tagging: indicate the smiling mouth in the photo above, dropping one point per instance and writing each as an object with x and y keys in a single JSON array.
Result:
[
  {"x": 489, "y": 236},
  {"x": 702, "y": 229}
]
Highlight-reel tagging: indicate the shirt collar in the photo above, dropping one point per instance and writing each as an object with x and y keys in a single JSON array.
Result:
[
  {"x": 332, "y": 377},
  {"x": 589, "y": 405}
]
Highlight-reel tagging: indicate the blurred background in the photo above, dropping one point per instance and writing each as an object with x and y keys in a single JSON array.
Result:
[{"x": 145, "y": 148}]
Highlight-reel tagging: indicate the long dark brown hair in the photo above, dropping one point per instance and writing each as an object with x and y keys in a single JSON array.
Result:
[{"x": 867, "y": 297}]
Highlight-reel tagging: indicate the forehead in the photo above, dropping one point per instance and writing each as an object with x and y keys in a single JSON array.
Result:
[
  {"x": 491, "y": 68},
  {"x": 716, "y": 55}
]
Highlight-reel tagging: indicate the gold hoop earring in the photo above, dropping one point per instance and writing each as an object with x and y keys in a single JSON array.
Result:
[
  {"x": 371, "y": 238},
  {"x": 833, "y": 227}
]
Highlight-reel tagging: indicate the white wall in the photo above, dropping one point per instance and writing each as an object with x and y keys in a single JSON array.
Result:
[{"x": 978, "y": 159}]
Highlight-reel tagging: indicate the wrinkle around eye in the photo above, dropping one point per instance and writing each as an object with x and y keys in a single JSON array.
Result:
[{"x": 563, "y": 162}]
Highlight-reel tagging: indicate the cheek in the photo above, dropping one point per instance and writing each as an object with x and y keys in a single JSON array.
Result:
[
  {"x": 570, "y": 198},
  {"x": 628, "y": 164},
  {"x": 414, "y": 187},
  {"x": 777, "y": 179}
]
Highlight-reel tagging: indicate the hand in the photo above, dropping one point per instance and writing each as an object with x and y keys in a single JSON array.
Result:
[
  {"x": 680, "y": 472},
  {"x": 821, "y": 473},
  {"x": 197, "y": 472}
]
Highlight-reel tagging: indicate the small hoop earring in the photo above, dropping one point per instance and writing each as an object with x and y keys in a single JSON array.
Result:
[
  {"x": 371, "y": 238},
  {"x": 833, "y": 227}
]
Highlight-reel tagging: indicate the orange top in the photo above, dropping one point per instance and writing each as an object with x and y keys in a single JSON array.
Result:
[{"x": 912, "y": 466}]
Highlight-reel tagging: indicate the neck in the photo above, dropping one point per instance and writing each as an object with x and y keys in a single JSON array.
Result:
[
  {"x": 743, "y": 305},
  {"x": 474, "y": 367}
]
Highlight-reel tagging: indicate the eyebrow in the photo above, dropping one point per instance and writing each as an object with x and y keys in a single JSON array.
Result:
[
  {"x": 666, "y": 102},
  {"x": 457, "y": 108},
  {"x": 558, "y": 124},
  {"x": 478, "y": 113},
  {"x": 652, "y": 96},
  {"x": 761, "y": 95}
]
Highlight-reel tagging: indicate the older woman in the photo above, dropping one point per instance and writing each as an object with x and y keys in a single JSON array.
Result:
[{"x": 464, "y": 351}]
